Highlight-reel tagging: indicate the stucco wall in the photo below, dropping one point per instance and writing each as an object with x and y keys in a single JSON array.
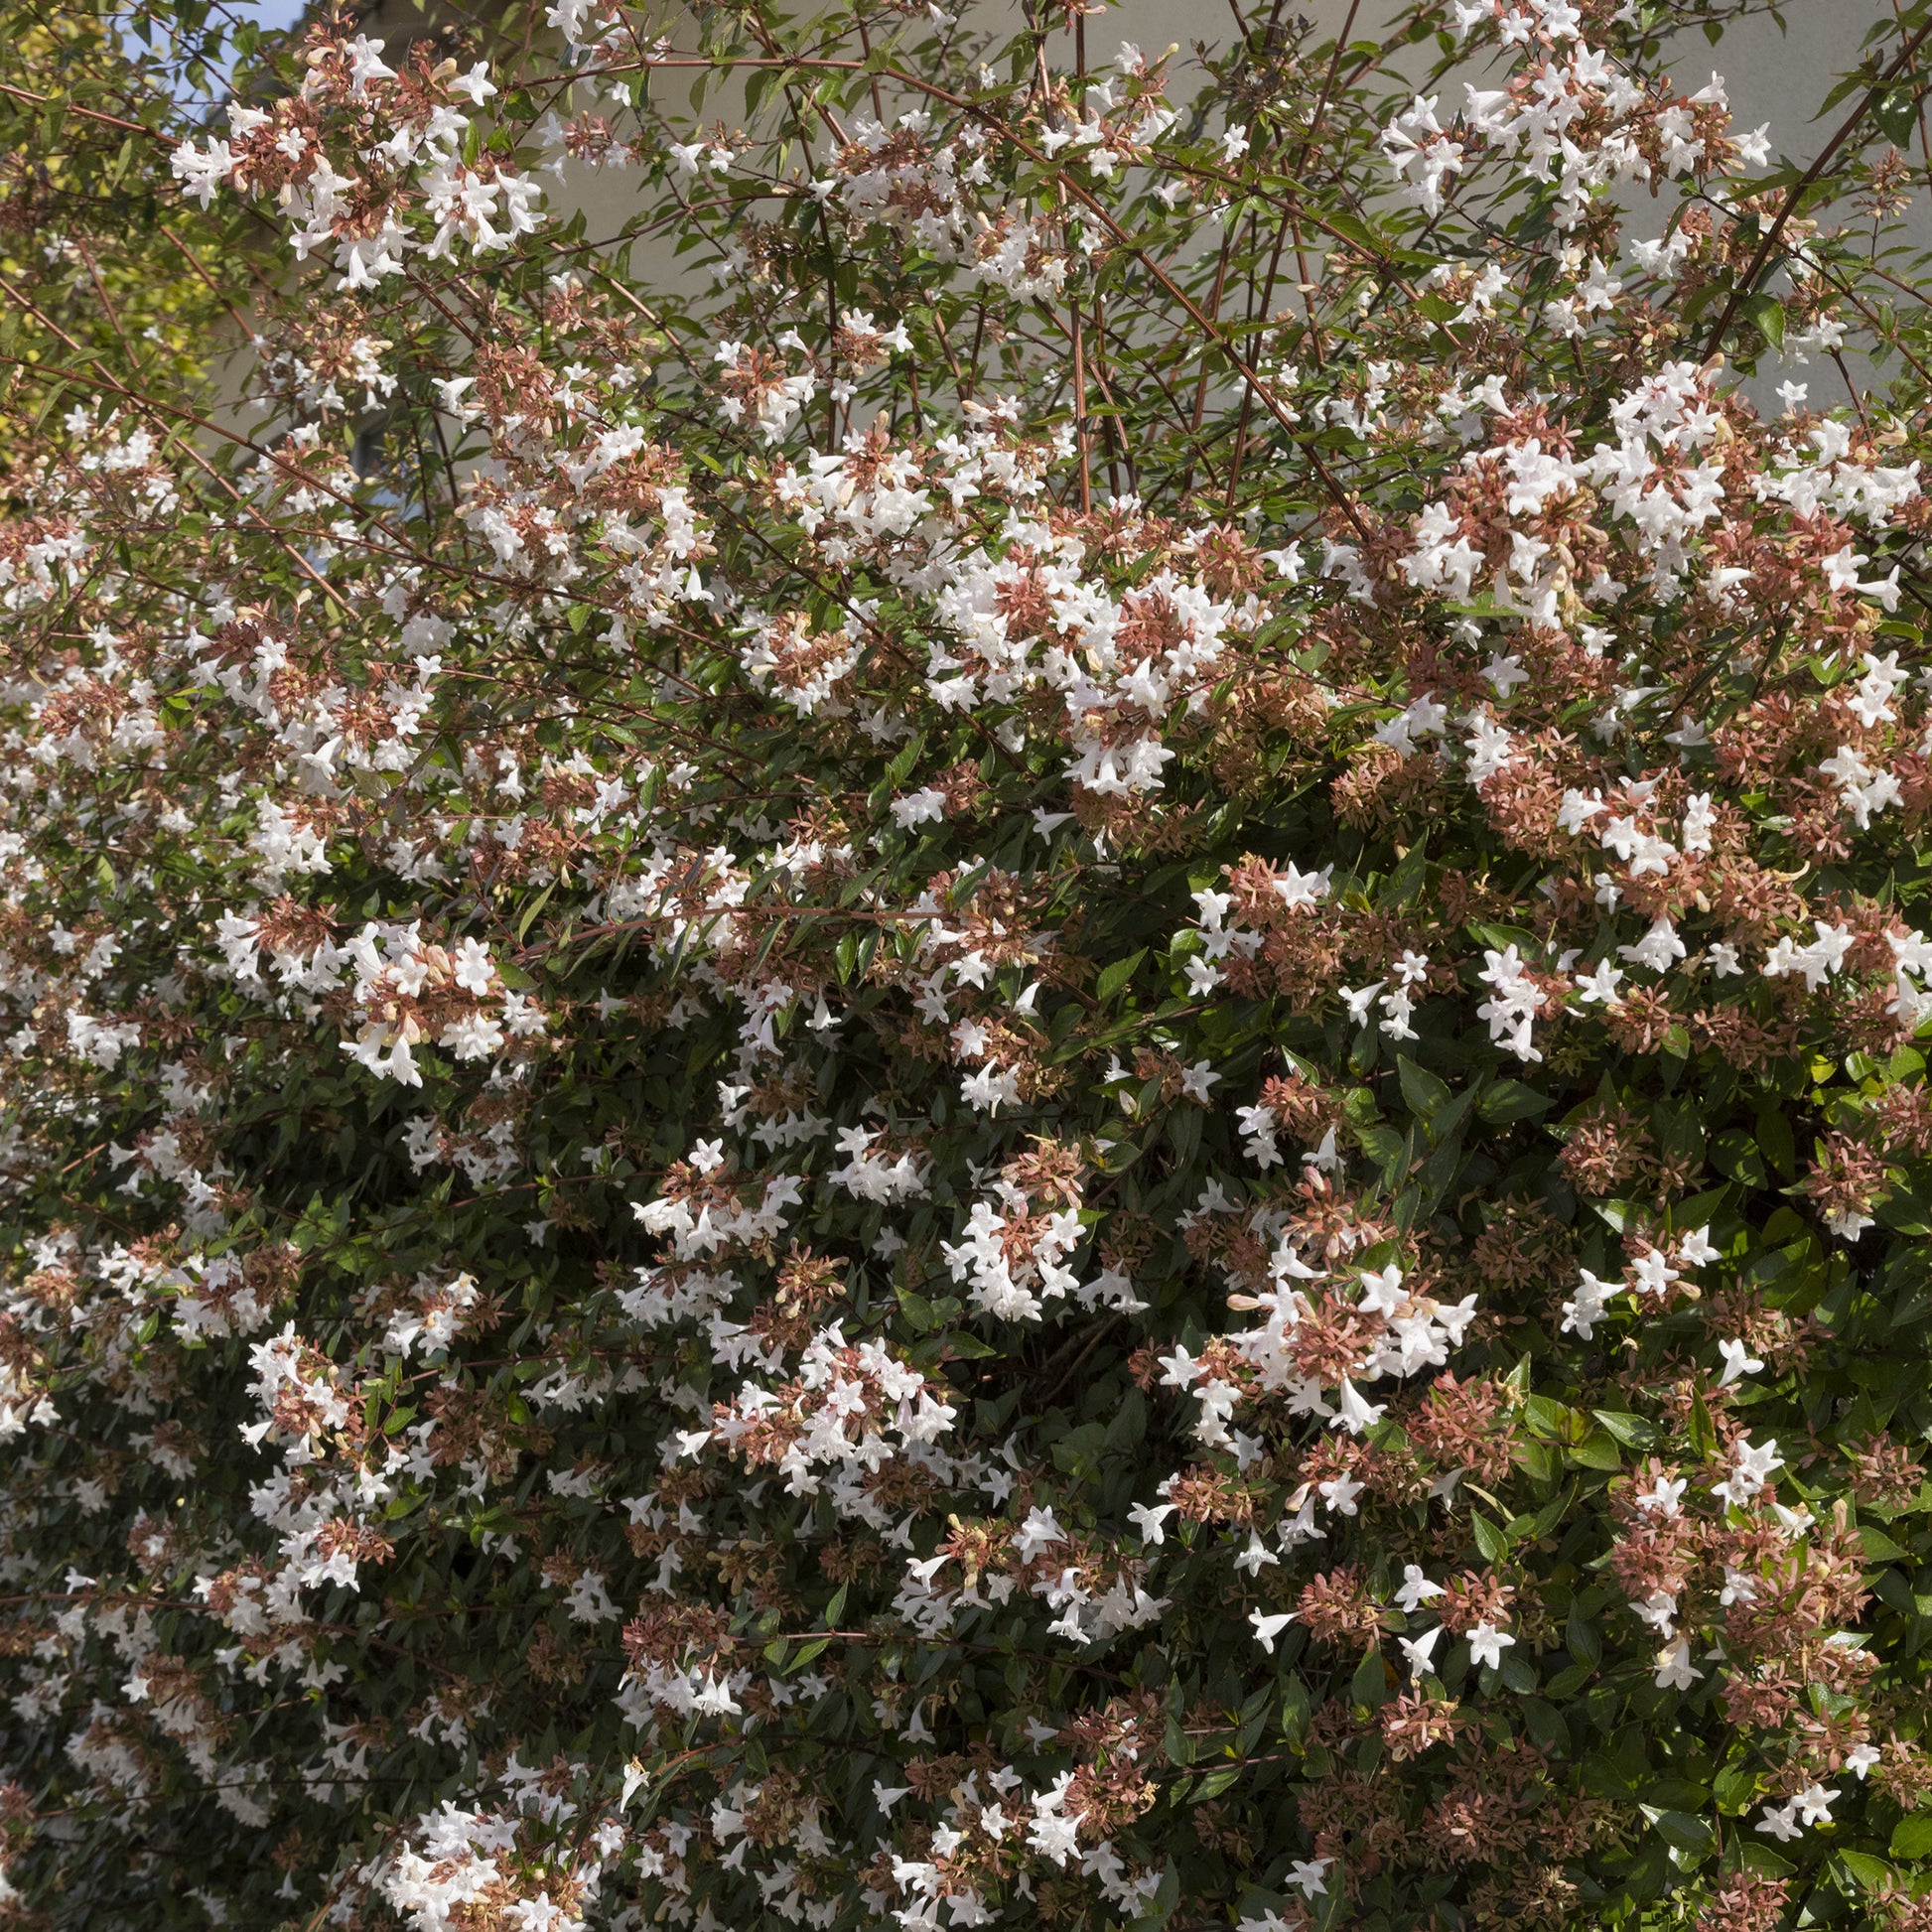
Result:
[{"x": 1775, "y": 73}]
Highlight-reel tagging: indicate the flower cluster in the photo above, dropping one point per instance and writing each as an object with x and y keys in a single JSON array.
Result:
[{"x": 1066, "y": 1064}]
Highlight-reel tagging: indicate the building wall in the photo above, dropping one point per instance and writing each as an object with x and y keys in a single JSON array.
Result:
[{"x": 1775, "y": 73}]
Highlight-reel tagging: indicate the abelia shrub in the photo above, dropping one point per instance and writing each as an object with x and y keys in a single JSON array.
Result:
[{"x": 1067, "y": 1065}]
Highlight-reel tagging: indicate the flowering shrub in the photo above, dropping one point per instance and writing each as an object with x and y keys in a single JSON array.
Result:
[{"x": 1068, "y": 1065}]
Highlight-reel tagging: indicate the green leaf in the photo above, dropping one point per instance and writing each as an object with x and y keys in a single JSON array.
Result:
[
  {"x": 1350, "y": 229},
  {"x": 1553, "y": 1421},
  {"x": 1683, "y": 1830},
  {"x": 1370, "y": 1684},
  {"x": 1128, "y": 1424},
  {"x": 1546, "y": 1726},
  {"x": 1632, "y": 1431},
  {"x": 1160, "y": 1906},
  {"x": 1581, "y": 1638},
  {"x": 1704, "y": 1437},
  {"x": 1295, "y": 1709},
  {"x": 1911, "y": 1836},
  {"x": 1426, "y": 1094},
  {"x": 1756, "y": 1855},
  {"x": 536, "y": 905},
  {"x": 1499, "y": 939},
  {"x": 1408, "y": 878},
  {"x": 1449, "y": 1121},
  {"x": 1766, "y": 312},
  {"x": 1869, "y": 1871},
  {"x": 50, "y": 400},
  {"x": 1898, "y": 115},
  {"x": 1491, "y": 1540},
  {"x": 806, "y": 1652},
  {"x": 1734, "y": 1155},
  {"x": 1774, "y": 1140},
  {"x": 1507, "y": 1100},
  {"x": 1597, "y": 1451},
  {"x": 962, "y": 1345},
  {"x": 908, "y": 756},
  {"x": 1114, "y": 977},
  {"x": 1879, "y": 1548}
]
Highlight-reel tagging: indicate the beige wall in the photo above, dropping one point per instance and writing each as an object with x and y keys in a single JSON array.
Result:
[{"x": 1773, "y": 76}]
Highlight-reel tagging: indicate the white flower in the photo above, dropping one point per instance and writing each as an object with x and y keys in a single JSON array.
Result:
[
  {"x": 1255, "y": 1556},
  {"x": 1355, "y": 1413},
  {"x": 926, "y": 807},
  {"x": 1817, "y": 961},
  {"x": 1183, "y": 1370},
  {"x": 475, "y": 969},
  {"x": 1651, "y": 1273},
  {"x": 1587, "y": 1305},
  {"x": 473, "y": 1037},
  {"x": 1659, "y": 1610},
  {"x": 1664, "y": 1498},
  {"x": 477, "y": 85},
  {"x": 1308, "y": 1875},
  {"x": 1036, "y": 1534},
  {"x": 1738, "y": 1362},
  {"x": 1416, "y": 1588},
  {"x": 1601, "y": 985},
  {"x": 1196, "y": 1080},
  {"x": 1675, "y": 1671},
  {"x": 1339, "y": 1493},
  {"x": 1358, "y": 1000},
  {"x": 991, "y": 1088},
  {"x": 1382, "y": 1293},
  {"x": 1657, "y": 948},
  {"x": 1514, "y": 1001},
  {"x": 1753, "y": 1469},
  {"x": 1696, "y": 1248},
  {"x": 1268, "y": 1628},
  {"x": 1487, "y": 1644},
  {"x": 1737, "y": 1588},
  {"x": 1301, "y": 889},
  {"x": 1814, "y": 1804},
  {"x": 1419, "y": 1651}
]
